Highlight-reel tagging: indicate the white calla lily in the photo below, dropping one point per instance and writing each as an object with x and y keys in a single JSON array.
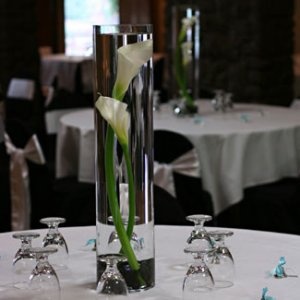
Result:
[
  {"x": 116, "y": 114},
  {"x": 130, "y": 59},
  {"x": 188, "y": 22},
  {"x": 186, "y": 49}
]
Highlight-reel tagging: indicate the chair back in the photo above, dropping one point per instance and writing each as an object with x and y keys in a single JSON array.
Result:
[
  {"x": 22, "y": 89},
  {"x": 178, "y": 156},
  {"x": 28, "y": 175},
  {"x": 5, "y": 218}
]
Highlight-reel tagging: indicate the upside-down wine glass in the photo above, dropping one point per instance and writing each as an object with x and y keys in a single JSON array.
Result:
[
  {"x": 199, "y": 235},
  {"x": 111, "y": 281},
  {"x": 43, "y": 281},
  {"x": 24, "y": 259},
  {"x": 55, "y": 239},
  {"x": 114, "y": 244},
  {"x": 198, "y": 281},
  {"x": 221, "y": 263}
]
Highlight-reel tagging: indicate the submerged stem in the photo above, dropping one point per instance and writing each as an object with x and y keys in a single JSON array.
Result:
[
  {"x": 113, "y": 201},
  {"x": 180, "y": 71},
  {"x": 132, "y": 209}
]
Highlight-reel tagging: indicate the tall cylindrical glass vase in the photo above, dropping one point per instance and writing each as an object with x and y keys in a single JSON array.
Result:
[
  {"x": 124, "y": 150},
  {"x": 184, "y": 54}
]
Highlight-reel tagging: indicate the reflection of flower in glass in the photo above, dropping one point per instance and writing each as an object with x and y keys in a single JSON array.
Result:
[
  {"x": 183, "y": 57},
  {"x": 130, "y": 59}
]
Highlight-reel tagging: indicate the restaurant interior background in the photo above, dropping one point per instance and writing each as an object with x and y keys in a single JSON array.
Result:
[{"x": 251, "y": 48}]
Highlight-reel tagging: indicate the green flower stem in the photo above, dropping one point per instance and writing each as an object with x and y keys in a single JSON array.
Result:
[
  {"x": 131, "y": 217},
  {"x": 180, "y": 71},
  {"x": 113, "y": 201}
]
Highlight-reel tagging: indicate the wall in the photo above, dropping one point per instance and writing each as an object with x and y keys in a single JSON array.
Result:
[
  {"x": 18, "y": 42},
  {"x": 247, "y": 48}
]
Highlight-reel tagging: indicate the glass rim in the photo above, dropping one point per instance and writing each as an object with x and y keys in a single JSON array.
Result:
[{"x": 123, "y": 28}]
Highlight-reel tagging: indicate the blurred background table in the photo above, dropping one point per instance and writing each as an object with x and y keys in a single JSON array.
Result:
[
  {"x": 68, "y": 71},
  {"x": 250, "y": 145},
  {"x": 75, "y": 146},
  {"x": 256, "y": 253}
]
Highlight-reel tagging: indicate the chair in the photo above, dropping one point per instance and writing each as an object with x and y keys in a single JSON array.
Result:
[
  {"x": 24, "y": 101},
  {"x": 21, "y": 143},
  {"x": 19, "y": 99},
  {"x": 4, "y": 184},
  {"x": 167, "y": 209},
  {"x": 59, "y": 102},
  {"x": 21, "y": 89},
  {"x": 271, "y": 207},
  {"x": 75, "y": 201},
  {"x": 170, "y": 148}
]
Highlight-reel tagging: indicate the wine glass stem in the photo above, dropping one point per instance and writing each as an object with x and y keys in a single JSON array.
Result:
[{"x": 25, "y": 244}]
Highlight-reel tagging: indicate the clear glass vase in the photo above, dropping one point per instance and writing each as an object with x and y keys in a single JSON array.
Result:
[
  {"x": 139, "y": 209},
  {"x": 184, "y": 55}
]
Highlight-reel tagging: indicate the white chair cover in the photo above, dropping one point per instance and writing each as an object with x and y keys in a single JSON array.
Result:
[
  {"x": 21, "y": 88},
  {"x": 187, "y": 164},
  {"x": 19, "y": 179}
]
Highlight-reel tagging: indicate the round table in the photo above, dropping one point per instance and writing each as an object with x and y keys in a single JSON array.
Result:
[
  {"x": 250, "y": 145},
  {"x": 256, "y": 253},
  {"x": 75, "y": 146}
]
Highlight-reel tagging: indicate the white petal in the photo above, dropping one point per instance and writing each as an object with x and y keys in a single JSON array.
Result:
[
  {"x": 116, "y": 114},
  {"x": 186, "y": 49},
  {"x": 189, "y": 22},
  {"x": 130, "y": 59}
]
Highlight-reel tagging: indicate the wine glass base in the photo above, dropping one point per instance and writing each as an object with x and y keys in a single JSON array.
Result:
[{"x": 220, "y": 284}]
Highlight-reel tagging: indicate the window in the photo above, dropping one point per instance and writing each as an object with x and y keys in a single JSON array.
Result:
[{"x": 80, "y": 16}]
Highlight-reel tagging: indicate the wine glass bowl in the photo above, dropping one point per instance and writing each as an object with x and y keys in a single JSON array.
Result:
[
  {"x": 198, "y": 279},
  {"x": 221, "y": 263},
  {"x": 54, "y": 238},
  {"x": 114, "y": 244},
  {"x": 199, "y": 234},
  {"x": 43, "y": 280},
  {"x": 24, "y": 259},
  {"x": 111, "y": 281}
]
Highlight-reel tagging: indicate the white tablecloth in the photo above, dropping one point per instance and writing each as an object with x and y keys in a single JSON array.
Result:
[
  {"x": 75, "y": 151},
  {"x": 255, "y": 253},
  {"x": 64, "y": 68},
  {"x": 251, "y": 145}
]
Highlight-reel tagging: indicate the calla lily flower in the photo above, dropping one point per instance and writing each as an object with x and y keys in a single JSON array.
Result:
[
  {"x": 186, "y": 49},
  {"x": 130, "y": 59},
  {"x": 188, "y": 22},
  {"x": 116, "y": 114}
]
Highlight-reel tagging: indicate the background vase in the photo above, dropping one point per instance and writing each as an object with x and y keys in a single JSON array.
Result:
[
  {"x": 178, "y": 12},
  {"x": 107, "y": 40}
]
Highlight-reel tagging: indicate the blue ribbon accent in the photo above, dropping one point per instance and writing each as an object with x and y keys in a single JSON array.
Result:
[
  {"x": 264, "y": 295},
  {"x": 279, "y": 270},
  {"x": 90, "y": 242}
]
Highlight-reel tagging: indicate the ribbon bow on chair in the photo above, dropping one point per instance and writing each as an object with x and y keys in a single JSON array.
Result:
[
  {"x": 19, "y": 179},
  {"x": 186, "y": 164}
]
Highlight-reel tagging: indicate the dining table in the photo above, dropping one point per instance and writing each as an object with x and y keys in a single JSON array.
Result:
[
  {"x": 248, "y": 145},
  {"x": 255, "y": 253},
  {"x": 66, "y": 69}
]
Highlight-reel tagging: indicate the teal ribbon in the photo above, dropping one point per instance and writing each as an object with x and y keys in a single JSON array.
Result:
[
  {"x": 278, "y": 271},
  {"x": 264, "y": 295}
]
